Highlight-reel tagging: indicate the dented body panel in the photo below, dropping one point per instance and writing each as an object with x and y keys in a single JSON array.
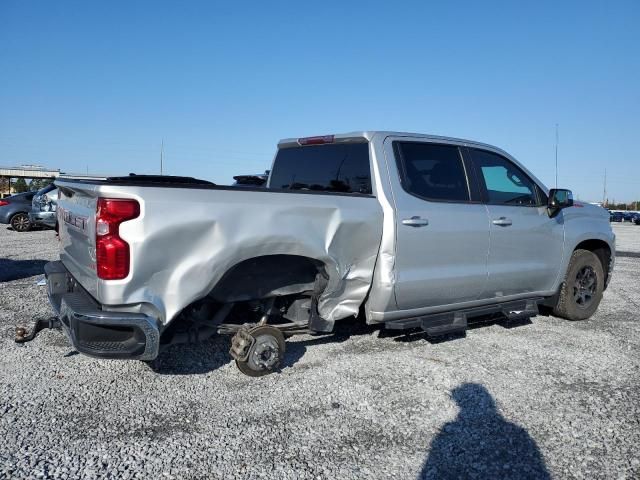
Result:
[{"x": 178, "y": 255}]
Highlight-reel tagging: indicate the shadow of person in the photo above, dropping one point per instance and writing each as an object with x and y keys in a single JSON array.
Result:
[{"x": 480, "y": 443}]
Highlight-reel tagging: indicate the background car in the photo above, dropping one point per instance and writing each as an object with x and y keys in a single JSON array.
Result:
[
  {"x": 14, "y": 210},
  {"x": 636, "y": 219},
  {"x": 627, "y": 216},
  {"x": 616, "y": 217},
  {"x": 43, "y": 207},
  {"x": 257, "y": 180}
]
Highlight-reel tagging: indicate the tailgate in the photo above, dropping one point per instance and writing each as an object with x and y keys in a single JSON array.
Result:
[{"x": 77, "y": 223}]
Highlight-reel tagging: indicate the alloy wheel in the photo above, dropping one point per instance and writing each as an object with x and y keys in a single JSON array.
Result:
[{"x": 584, "y": 287}]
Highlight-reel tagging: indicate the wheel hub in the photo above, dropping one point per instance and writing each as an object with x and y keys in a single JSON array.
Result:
[
  {"x": 585, "y": 286},
  {"x": 265, "y": 354}
]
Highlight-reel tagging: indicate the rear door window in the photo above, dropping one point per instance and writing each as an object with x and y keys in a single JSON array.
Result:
[
  {"x": 432, "y": 171},
  {"x": 337, "y": 167}
]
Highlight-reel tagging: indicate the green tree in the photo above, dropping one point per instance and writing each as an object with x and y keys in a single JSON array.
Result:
[
  {"x": 37, "y": 183},
  {"x": 4, "y": 186},
  {"x": 20, "y": 186}
]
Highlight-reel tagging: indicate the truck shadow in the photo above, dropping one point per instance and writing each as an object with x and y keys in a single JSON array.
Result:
[
  {"x": 189, "y": 359},
  {"x": 343, "y": 331},
  {"x": 17, "y": 269},
  {"x": 481, "y": 443}
]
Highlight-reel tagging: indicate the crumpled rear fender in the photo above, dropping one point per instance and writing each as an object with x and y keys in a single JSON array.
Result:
[{"x": 185, "y": 241}]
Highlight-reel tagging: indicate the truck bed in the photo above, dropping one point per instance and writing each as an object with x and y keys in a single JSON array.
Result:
[{"x": 188, "y": 234}]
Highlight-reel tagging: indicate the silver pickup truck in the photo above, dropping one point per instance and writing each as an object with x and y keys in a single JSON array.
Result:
[{"x": 407, "y": 230}]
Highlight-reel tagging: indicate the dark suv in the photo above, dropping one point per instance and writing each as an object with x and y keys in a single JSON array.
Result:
[
  {"x": 616, "y": 217},
  {"x": 14, "y": 210}
]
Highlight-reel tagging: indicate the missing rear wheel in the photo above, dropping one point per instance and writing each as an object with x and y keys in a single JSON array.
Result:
[{"x": 264, "y": 353}]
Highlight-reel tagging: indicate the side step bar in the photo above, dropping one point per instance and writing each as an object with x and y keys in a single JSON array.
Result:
[{"x": 456, "y": 321}]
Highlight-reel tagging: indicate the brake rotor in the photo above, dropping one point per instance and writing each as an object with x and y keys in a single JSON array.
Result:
[{"x": 265, "y": 354}]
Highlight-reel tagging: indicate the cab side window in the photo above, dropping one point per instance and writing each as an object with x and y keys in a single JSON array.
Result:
[
  {"x": 432, "y": 171},
  {"x": 504, "y": 183}
]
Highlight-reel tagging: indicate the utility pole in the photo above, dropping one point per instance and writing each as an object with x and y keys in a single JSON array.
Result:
[
  {"x": 556, "y": 155},
  {"x": 161, "y": 155}
]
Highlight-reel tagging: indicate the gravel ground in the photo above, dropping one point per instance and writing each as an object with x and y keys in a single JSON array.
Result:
[{"x": 540, "y": 399}]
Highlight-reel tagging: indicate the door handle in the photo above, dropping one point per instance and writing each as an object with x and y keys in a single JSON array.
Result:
[
  {"x": 415, "y": 221},
  {"x": 502, "y": 222}
]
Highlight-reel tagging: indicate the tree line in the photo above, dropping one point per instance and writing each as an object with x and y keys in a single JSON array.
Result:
[
  {"x": 21, "y": 185},
  {"x": 623, "y": 206}
]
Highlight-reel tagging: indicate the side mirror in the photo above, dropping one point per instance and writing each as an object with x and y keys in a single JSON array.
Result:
[{"x": 559, "y": 198}]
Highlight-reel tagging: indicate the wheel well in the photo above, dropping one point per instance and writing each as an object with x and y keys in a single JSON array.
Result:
[
  {"x": 602, "y": 251},
  {"x": 267, "y": 276}
]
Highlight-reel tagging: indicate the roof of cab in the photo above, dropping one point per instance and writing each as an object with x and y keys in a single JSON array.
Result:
[{"x": 368, "y": 135}]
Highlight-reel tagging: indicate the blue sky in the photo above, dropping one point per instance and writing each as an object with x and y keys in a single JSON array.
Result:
[{"x": 98, "y": 85}]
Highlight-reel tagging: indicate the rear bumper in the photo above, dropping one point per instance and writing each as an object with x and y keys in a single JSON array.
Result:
[{"x": 94, "y": 331}]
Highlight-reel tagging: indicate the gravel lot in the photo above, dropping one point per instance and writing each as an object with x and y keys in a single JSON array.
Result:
[{"x": 547, "y": 398}]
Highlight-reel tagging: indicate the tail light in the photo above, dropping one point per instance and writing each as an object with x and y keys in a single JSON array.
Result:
[
  {"x": 112, "y": 252},
  {"x": 3, "y": 203}
]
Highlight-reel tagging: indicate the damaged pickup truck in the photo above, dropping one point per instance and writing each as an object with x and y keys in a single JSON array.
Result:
[{"x": 407, "y": 230}]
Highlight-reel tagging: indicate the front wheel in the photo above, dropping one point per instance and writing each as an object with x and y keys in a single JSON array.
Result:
[
  {"x": 20, "y": 222},
  {"x": 582, "y": 289}
]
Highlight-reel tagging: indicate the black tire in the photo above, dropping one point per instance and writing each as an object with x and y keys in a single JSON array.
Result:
[
  {"x": 20, "y": 222},
  {"x": 581, "y": 291},
  {"x": 269, "y": 340}
]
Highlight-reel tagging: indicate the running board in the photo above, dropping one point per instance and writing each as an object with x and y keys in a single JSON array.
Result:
[{"x": 446, "y": 323}]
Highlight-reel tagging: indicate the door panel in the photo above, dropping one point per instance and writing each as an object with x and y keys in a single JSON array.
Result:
[
  {"x": 444, "y": 262},
  {"x": 441, "y": 245},
  {"x": 526, "y": 246},
  {"x": 526, "y": 255}
]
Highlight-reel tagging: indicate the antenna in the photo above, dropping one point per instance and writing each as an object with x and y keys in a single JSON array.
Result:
[
  {"x": 556, "y": 155},
  {"x": 161, "y": 155},
  {"x": 604, "y": 192}
]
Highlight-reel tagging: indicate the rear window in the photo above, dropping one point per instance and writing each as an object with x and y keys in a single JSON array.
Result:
[
  {"x": 432, "y": 171},
  {"x": 327, "y": 168}
]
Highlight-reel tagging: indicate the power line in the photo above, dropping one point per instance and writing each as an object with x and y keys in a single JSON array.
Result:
[{"x": 556, "y": 155}]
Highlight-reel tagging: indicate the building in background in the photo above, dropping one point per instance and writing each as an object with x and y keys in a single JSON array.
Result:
[{"x": 24, "y": 178}]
